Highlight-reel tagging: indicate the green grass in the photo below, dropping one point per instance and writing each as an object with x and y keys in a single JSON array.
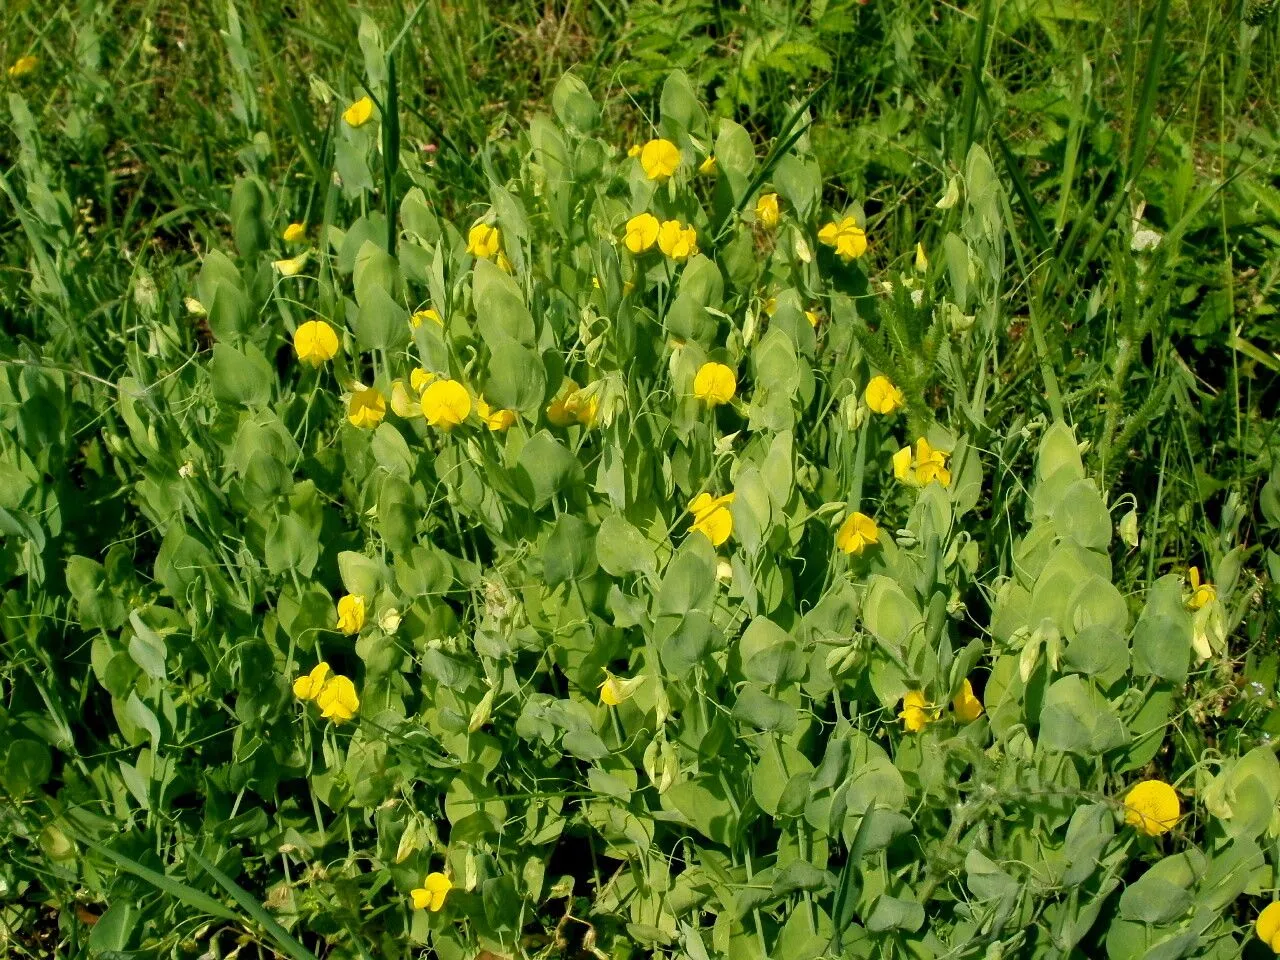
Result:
[{"x": 152, "y": 134}]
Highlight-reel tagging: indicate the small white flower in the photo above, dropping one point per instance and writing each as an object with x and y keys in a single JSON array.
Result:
[
  {"x": 187, "y": 470},
  {"x": 1144, "y": 240}
]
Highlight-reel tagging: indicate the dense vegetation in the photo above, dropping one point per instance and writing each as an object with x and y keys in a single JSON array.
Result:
[{"x": 642, "y": 479}]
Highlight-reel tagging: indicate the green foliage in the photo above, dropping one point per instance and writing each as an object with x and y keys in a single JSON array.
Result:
[{"x": 614, "y": 731}]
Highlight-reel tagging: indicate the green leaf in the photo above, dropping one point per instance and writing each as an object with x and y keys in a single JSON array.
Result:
[
  {"x": 574, "y": 107},
  {"x": 380, "y": 323},
  {"x": 517, "y": 379},
  {"x": 703, "y": 804},
  {"x": 622, "y": 549},
  {"x": 243, "y": 377},
  {"x": 569, "y": 552},
  {"x": 27, "y": 766},
  {"x": 544, "y": 468},
  {"x": 757, "y": 708},
  {"x": 690, "y": 578},
  {"x": 1076, "y": 718},
  {"x": 1162, "y": 637},
  {"x": 500, "y": 309},
  {"x": 291, "y": 545},
  {"x": 892, "y": 913}
]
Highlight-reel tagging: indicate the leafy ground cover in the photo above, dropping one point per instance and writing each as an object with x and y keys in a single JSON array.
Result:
[{"x": 665, "y": 480}]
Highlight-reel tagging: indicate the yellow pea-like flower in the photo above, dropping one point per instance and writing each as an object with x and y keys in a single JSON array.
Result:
[
  {"x": 633, "y": 150},
  {"x": 294, "y": 233},
  {"x": 338, "y": 701},
  {"x": 1202, "y": 594},
  {"x": 916, "y": 711},
  {"x": 676, "y": 240},
  {"x": 431, "y": 895},
  {"x": 922, "y": 261},
  {"x": 767, "y": 210},
  {"x": 430, "y": 313},
  {"x": 446, "y": 403},
  {"x": 857, "y": 533},
  {"x": 358, "y": 114},
  {"x": 351, "y": 613},
  {"x": 642, "y": 232},
  {"x": 495, "y": 420},
  {"x": 616, "y": 690},
  {"x": 1267, "y": 926},
  {"x": 315, "y": 342},
  {"x": 366, "y": 408},
  {"x": 714, "y": 384},
  {"x": 419, "y": 379},
  {"x": 966, "y": 704},
  {"x": 290, "y": 267},
  {"x": 308, "y": 686},
  {"x": 927, "y": 466},
  {"x": 812, "y": 317},
  {"x": 484, "y": 241},
  {"x": 708, "y": 167},
  {"x": 882, "y": 396},
  {"x": 849, "y": 239},
  {"x": 711, "y": 517},
  {"x": 583, "y": 405},
  {"x": 1152, "y": 807},
  {"x": 558, "y": 411},
  {"x": 23, "y": 66},
  {"x": 402, "y": 403},
  {"x": 659, "y": 158}
]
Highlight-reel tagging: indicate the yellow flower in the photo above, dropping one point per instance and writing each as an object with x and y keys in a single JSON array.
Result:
[
  {"x": 676, "y": 240},
  {"x": 503, "y": 263},
  {"x": 495, "y": 420},
  {"x": 315, "y": 342},
  {"x": 23, "y": 65},
  {"x": 484, "y": 241},
  {"x": 366, "y": 408},
  {"x": 290, "y": 267},
  {"x": 358, "y": 114},
  {"x": 616, "y": 690},
  {"x": 1152, "y": 807},
  {"x": 1202, "y": 594},
  {"x": 857, "y": 533},
  {"x": 922, "y": 262},
  {"x": 430, "y": 313},
  {"x": 557, "y": 410},
  {"x": 659, "y": 159},
  {"x": 294, "y": 232},
  {"x": 351, "y": 613},
  {"x": 711, "y": 517},
  {"x": 928, "y": 466},
  {"x": 882, "y": 396},
  {"x": 403, "y": 405},
  {"x": 770, "y": 305},
  {"x": 849, "y": 239},
  {"x": 708, "y": 166},
  {"x": 715, "y": 384},
  {"x": 419, "y": 378},
  {"x": 308, "y": 687},
  {"x": 966, "y": 705},
  {"x": 812, "y": 317},
  {"x": 431, "y": 895},
  {"x": 642, "y": 232},
  {"x": 337, "y": 700},
  {"x": 583, "y": 405},
  {"x": 1267, "y": 926},
  {"x": 767, "y": 210},
  {"x": 633, "y": 150},
  {"x": 446, "y": 403},
  {"x": 916, "y": 713}
]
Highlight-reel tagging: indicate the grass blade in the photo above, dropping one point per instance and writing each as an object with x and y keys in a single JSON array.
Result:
[{"x": 251, "y": 906}]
